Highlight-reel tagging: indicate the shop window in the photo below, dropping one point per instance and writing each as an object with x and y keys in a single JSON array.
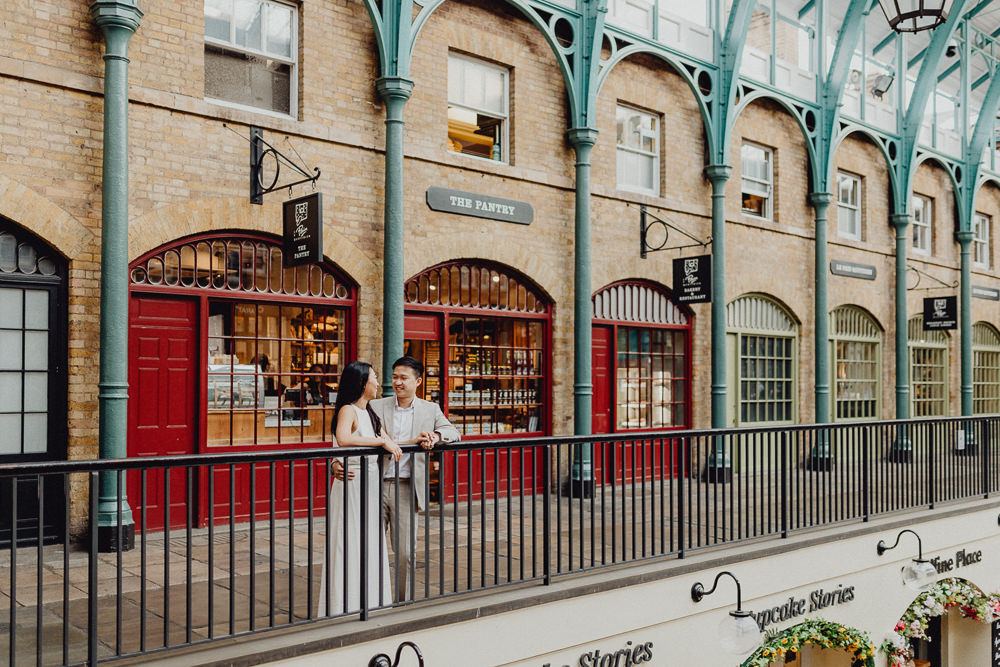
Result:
[
  {"x": 758, "y": 180},
  {"x": 495, "y": 343},
  {"x": 251, "y": 53},
  {"x": 849, "y": 206},
  {"x": 923, "y": 225},
  {"x": 646, "y": 359},
  {"x": 981, "y": 240},
  {"x": 478, "y": 94},
  {"x": 985, "y": 369},
  {"x": 763, "y": 340},
  {"x": 928, "y": 370},
  {"x": 856, "y": 340},
  {"x": 638, "y": 150},
  {"x": 277, "y": 338}
]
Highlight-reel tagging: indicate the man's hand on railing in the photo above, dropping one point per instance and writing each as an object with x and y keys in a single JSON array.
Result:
[{"x": 337, "y": 468}]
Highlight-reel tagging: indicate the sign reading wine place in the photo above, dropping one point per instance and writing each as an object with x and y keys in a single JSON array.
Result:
[
  {"x": 303, "y": 227},
  {"x": 479, "y": 206}
]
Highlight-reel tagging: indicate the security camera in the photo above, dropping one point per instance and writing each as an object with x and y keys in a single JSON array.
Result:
[{"x": 952, "y": 49}]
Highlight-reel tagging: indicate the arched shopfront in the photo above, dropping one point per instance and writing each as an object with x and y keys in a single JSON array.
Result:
[
  {"x": 856, "y": 342},
  {"x": 483, "y": 333},
  {"x": 32, "y": 375},
  {"x": 985, "y": 369},
  {"x": 261, "y": 345}
]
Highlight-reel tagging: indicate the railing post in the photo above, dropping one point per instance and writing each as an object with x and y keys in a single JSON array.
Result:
[
  {"x": 546, "y": 518},
  {"x": 931, "y": 441},
  {"x": 865, "y": 474},
  {"x": 364, "y": 539},
  {"x": 784, "y": 484},
  {"x": 984, "y": 438},
  {"x": 92, "y": 575},
  {"x": 683, "y": 470}
]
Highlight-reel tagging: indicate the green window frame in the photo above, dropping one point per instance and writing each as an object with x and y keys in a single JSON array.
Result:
[
  {"x": 929, "y": 365},
  {"x": 856, "y": 350},
  {"x": 985, "y": 369}
]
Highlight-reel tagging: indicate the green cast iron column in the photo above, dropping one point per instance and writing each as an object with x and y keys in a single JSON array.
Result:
[
  {"x": 902, "y": 447},
  {"x": 821, "y": 315},
  {"x": 118, "y": 21},
  {"x": 395, "y": 91},
  {"x": 718, "y": 468},
  {"x": 965, "y": 320},
  {"x": 582, "y": 140}
]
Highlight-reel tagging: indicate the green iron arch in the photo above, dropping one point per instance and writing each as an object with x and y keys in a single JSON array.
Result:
[
  {"x": 798, "y": 113},
  {"x": 881, "y": 142}
]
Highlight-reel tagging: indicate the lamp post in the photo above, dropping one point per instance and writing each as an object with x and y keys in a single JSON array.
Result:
[
  {"x": 739, "y": 633},
  {"x": 915, "y": 15},
  {"x": 919, "y": 574}
]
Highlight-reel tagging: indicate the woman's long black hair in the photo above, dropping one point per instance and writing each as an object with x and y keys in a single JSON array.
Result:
[{"x": 351, "y": 388}]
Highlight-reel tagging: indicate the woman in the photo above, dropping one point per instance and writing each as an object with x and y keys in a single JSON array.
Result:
[{"x": 356, "y": 425}]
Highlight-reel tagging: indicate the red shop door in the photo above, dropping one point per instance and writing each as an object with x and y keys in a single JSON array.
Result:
[
  {"x": 163, "y": 387},
  {"x": 602, "y": 369}
]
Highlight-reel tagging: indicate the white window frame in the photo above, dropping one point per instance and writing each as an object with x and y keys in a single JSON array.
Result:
[
  {"x": 503, "y": 115},
  {"x": 849, "y": 209},
  {"x": 855, "y": 345},
  {"x": 923, "y": 224},
  {"x": 981, "y": 224},
  {"x": 929, "y": 352},
  {"x": 654, "y": 154},
  {"x": 759, "y": 187},
  {"x": 985, "y": 369},
  {"x": 292, "y": 62}
]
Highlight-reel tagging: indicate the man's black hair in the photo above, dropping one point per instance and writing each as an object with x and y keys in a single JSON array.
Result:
[{"x": 411, "y": 363}]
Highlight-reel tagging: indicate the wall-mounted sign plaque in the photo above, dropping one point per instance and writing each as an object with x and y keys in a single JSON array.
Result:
[
  {"x": 940, "y": 312},
  {"x": 985, "y": 293},
  {"x": 852, "y": 270},
  {"x": 480, "y": 206},
  {"x": 303, "y": 225},
  {"x": 693, "y": 279}
]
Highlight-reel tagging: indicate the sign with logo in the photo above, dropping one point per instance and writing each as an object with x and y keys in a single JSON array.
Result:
[
  {"x": 987, "y": 293},
  {"x": 303, "y": 225},
  {"x": 693, "y": 279},
  {"x": 852, "y": 270},
  {"x": 479, "y": 206},
  {"x": 940, "y": 312}
]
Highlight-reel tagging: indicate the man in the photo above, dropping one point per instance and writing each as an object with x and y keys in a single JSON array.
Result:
[{"x": 408, "y": 420}]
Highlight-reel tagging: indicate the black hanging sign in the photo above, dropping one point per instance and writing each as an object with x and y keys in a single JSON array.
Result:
[
  {"x": 303, "y": 224},
  {"x": 693, "y": 279},
  {"x": 940, "y": 312},
  {"x": 995, "y": 645}
]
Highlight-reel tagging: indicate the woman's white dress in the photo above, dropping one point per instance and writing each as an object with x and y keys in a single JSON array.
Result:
[{"x": 343, "y": 543}]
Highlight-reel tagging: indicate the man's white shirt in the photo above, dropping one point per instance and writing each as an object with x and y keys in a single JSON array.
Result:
[{"x": 402, "y": 428}]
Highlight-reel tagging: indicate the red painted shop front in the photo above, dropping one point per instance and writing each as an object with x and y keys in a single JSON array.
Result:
[
  {"x": 641, "y": 369},
  {"x": 229, "y": 352},
  {"x": 483, "y": 332}
]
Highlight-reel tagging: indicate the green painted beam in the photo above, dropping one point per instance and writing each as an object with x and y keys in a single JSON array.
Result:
[
  {"x": 806, "y": 8},
  {"x": 118, "y": 21}
]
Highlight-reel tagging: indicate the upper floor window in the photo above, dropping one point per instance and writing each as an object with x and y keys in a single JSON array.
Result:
[
  {"x": 758, "y": 180},
  {"x": 251, "y": 53},
  {"x": 981, "y": 240},
  {"x": 638, "y": 151},
  {"x": 923, "y": 224},
  {"x": 478, "y": 108},
  {"x": 849, "y": 206}
]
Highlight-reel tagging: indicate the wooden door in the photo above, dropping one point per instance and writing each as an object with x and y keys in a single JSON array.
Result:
[{"x": 163, "y": 390}]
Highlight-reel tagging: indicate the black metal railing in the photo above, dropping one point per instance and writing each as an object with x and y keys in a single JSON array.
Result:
[{"x": 228, "y": 544}]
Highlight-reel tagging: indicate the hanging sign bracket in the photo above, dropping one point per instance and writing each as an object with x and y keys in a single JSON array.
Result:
[
  {"x": 647, "y": 220},
  {"x": 263, "y": 153},
  {"x": 921, "y": 274}
]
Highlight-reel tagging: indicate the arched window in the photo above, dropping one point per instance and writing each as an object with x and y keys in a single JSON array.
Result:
[
  {"x": 928, "y": 370},
  {"x": 496, "y": 345},
  {"x": 32, "y": 375},
  {"x": 641, "y": 358},
  {"x": 762, "y": 341},
  {"x": 274, "y": 343},
  {"x": 856, "y": 340},
  {"x": 985, "y": 369}
]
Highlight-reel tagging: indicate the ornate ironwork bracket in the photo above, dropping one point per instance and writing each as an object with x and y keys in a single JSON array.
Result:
[
  {"x": 260, "y": 152},
  {"x": 940, "y": 283},
  {"x": 645, "y": 225},
  {"x": 383, "y": 660}
]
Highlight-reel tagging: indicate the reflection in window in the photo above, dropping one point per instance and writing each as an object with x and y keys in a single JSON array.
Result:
[
  {"x": 856, "y": 364},
  {"x": 477, "y": 108},
  {"x": 273, "y": 372},
  {"x": 928, "y": 370},
  {"x": 651, "y": 378},
  {"x": 757, "y": 180},
  {"x": 251, "y": 53}
]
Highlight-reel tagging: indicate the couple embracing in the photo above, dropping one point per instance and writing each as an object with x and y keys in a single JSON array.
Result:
[{"x": 395, "y": 493}]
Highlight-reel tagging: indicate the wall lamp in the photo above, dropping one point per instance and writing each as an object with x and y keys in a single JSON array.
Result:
[
  {"x": 919, "y": 574},
  {"x": 383, "y": 660},
  {"x": 739, "y": 633}
]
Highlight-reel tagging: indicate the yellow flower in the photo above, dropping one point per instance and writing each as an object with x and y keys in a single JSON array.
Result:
[
  {"x": 841, "y": 630},
  {"x": 784, "y": 641}
]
